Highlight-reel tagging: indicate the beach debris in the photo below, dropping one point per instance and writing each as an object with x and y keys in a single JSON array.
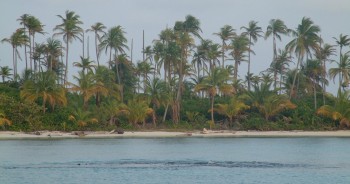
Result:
[
  {"x": 111, "y": 132},
  {"x": 120, "y": 131},
  {"x": 37, "y": 133},
  {"x": 205, "y": 131},
  {"x": 79, "y": 133}
]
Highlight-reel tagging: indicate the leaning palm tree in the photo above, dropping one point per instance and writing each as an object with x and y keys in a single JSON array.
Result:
[
  {"x": 216, "y": 81},
  {"x": 5, "y": 73},
  {"x": 70, "y": 29},
  {"x": 276, "y": 28},
  {"x": 305, "y": 40},
  {"x": 97, "y": 28},
  {"x": 16, "y": 40},
  {"x": 226, "y": 33},
  {"x": 44, "y": 87},
  {"x": 253, "y": 31}
]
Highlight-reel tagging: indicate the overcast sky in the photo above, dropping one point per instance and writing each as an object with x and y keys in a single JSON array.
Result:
[{"x": 154, "y": 15}]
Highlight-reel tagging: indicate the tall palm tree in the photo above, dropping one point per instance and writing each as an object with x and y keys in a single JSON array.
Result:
[
  {"x": 314, "y": 71},
  {"x": 97, "y": 28},
  {"x": 276, "y": 28},
  {"x": 239, "y": 46},
  {"x": 24, "y": 21},
  {"x": 305, "y": 40},
  {"x": 16, "y": 40},
  {"x": 70, "y": 29},
  {"x": 343, "y": 71},
  {"x": 254, "y": 31},
  {"x": 115, "y": 41},
  {"x": 323, "y": 55},
  {"x": 54, "y": 50},
  {"x": 44, "y": 87},
  {"x": 342, "y": 41},
  {"x": 226, "y": 33},
  {"x": 34, "y": 26},
  {"x": 5, "y": 73},
  {"x": 282, "y": 61},
  {"x": 216, "y": 81},
  {"x": 184, "y": 31}
]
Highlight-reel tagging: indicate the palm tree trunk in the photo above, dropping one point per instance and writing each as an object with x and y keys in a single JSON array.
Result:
[
  {"x": 223, "y": 54},
  {"x": 66, "y": 71},
  {"x": 97, "y": 54},
  {"x": 295, "y": 76},
  {"x": 212, "y": 109},
  {"x": 165, "y": 112},
  {"x": 250, "y": 42},
  {"x": 30, "y": 53},
  {"x": 315, "y": 96},
  {"x": 13, "y": 60},
  {"x": 236, "y": 71},
  {"x": 324, "y": 82}
]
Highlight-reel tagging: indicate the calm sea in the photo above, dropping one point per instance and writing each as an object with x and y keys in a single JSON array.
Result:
[{"x": 176, "y": 160}]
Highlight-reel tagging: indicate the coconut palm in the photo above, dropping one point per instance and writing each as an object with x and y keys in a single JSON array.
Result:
[
  {"x": 70, "y": 30},
  {"x": 16, "y": 40},
  {"x": 34, "y": 26},
  {"x": 97, "y": 28},
  {"x": 282, "y": 61},
  {"x": 88, "y": 87},
  {"x": 239, "y": 46},
  {"x": 253, "y": 31},
  {"x": 157, "y": 91},
  {"x": 4, "y": 120},
  {"x": 54, "y": 50},
  {"x": 276, "y": 28},
  {"x": 24, "y": 21},
  {"x": 137, "y": 110},
  {"x": 38, "y": 55},
  {"x": 82, "y": 117},
  {"x": 340, "y": 111},
  {"x": 85, "y": 64},
  {"x": 44, "y": 87},
  {"x": 232, "y": 109},
  {"x": 342, "y": 41},
  {"x": 226, "y": 33},
  {"x": 5, "y": 73},
  {"x": 213, "y": 83},
  {"x": 314, "y": 71},
  {"x": 343, "y": 71},
  {"x": 323, "y": 55},
  {"x": 305, "y": 40},
  {"x": 114, "y": 41}
]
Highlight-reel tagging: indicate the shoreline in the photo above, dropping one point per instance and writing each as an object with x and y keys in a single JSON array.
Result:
[{"x": 10, "y": 135}]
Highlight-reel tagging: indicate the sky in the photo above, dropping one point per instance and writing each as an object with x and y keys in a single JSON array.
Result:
[{"x": 152, "y": 16}]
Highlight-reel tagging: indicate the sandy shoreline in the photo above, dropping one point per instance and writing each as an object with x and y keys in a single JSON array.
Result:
[{"x": 5, "y": 135}]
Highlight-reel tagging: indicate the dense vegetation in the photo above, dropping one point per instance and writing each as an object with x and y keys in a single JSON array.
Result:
[{"x": 178, "y": 84}]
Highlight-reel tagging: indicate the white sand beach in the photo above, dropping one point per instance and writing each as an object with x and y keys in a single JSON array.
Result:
[{"x": 163, "y": 134}]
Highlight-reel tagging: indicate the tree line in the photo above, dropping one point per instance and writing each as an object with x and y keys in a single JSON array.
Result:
[{"x": 178, "y": 81}]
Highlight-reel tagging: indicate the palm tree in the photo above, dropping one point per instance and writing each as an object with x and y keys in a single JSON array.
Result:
[
  {"x": 5, "y": 73},
  {"x": 216, "y": 81},
  {"x": 340, "y": 111},
  {"x": 24, "y": 21},
  {"x": 97, "y": 28},
  {"x": 70, "y": 29},
  {"x": 343, "y": 41},
  {"x": 16, "y": 40},
  {"x": 226, "y": 33},
  {"x": 323, "y": 55},
  {"x": 34, "y": 26},
  {"x": 157, "y": 92},
  {"x": 343, "y": 71},
  {"x": 85, "y": 64},
  {"x": 88, "y": 87},
  {"x": 305, "y": 40},
  {"x": 276, "y": 28},
  {"x": 137, "y": 111},
  {"x": 44, "y": 87},
  {"x": 315, "y": 72},
  {"x": 282, "y": 61},
  {"x": 232, "y": 109},
  {"x": 239, "y": 46},
  {"x": 254, "y": 31},
  {"x": 115, "y": 41},
  {"x": 4, "y": 120},
  {"x": 54, "y": 50},
  {"x": 82, "y": 117}
]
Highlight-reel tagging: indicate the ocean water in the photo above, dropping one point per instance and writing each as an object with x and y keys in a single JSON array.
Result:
[{"x": 176, "y": 160}]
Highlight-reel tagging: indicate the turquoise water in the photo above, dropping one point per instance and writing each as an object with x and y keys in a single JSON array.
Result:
[{"x": 176, "y": 160}]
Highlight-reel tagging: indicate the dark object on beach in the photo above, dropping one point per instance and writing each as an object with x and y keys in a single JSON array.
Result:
[
  {"x": 37, "y": 133},
  {"x": 79, "y": 133},
  {"x": 120, "y": 131}
]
